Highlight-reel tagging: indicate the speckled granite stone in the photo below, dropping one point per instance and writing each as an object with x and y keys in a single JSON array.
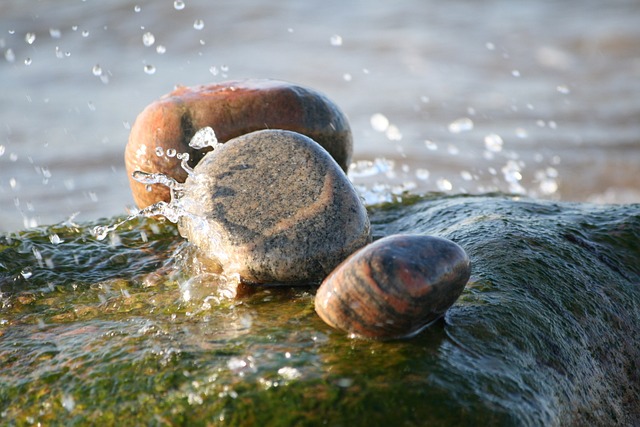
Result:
[
  {"x": 273, "y": 206},
  {"x": 394, "y": 287}
]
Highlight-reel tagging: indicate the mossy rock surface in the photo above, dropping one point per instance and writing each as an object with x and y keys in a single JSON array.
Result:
[{"x": 545, "y": 333}]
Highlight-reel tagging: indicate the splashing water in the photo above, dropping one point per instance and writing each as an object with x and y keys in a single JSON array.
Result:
[
  {"x": 173, "y": 210},
  {"x": 205, "y": 137}
]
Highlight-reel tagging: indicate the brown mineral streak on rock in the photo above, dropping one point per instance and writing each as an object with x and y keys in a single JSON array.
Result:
[{"x": 324, "y": 200}]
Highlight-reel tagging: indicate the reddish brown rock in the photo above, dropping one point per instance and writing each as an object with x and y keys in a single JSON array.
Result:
[
  {"x": 394, "y": 287},
  {"x": 232, "y": 109}
]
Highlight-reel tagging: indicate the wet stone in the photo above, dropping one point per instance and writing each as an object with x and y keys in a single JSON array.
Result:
[
  {"x": 231, "y": 108},
  {"x": 273, "y": 207},
  {"x": 394, "y": 287}
]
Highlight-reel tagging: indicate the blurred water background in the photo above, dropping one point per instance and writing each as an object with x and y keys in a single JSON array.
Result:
[{"x": 534, "y": 97}]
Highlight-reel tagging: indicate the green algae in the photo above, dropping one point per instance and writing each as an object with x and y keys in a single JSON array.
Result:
[{"x": 99, "y": 332}]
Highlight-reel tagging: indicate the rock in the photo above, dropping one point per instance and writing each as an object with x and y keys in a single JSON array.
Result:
[
  {"x": 394, "y": 287},
  {"x": 273, "y": 206},
  {"x": 232, "y": 109}
]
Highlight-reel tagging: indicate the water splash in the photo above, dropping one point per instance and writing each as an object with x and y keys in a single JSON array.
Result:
[
  {"x": 173, "y": 210},
  {"x": 205, "y": 137}
]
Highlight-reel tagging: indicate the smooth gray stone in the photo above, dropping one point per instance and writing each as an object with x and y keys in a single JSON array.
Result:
[{"x": 273, "y": 206}]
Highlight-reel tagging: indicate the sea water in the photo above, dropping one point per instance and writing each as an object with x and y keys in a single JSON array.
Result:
[{"x": 533, "y": 98}]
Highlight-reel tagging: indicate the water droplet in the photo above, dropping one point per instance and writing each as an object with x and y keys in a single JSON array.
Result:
[
  {"x": 461, "y": 125},
  {"x": 515, "y": 73},
  {"x": 96, "y": 70},
  {"x": 55, "y": 33},
  {"x": 548, "y": 186},
  {"x": 205, "y": 137},
  {"x": 444, "y": 184},
  {"x": 2, "y": 150},
  {"x": 453, "y": 150},
  {"x": 490, "y": 46},
  {"x": 466, "y": 175},
  {"x": 178, "y": 5},
  {"x": 30, "y": 38},
  {"x": 171, "y": 152},
  {"x": 55, "y": 239},
  {"x": 9, "y": 55},
  {"x": 493, "y": 142},
  {"x": 198, "y": 24},
  {"x": 68, "y": 402},
  {"x": 27, "y": 61},
  {"x": 85, "y": 33},
  {"x": 137, "y": 8},
  {"x": 26, "y": 273},
  {"x": 393, "y": 133},
  {"x": 521, "y": 133},
  {"x": 149, "y": 69},
  {"x": 422, "y": 174},
  {"x": 379, "y": 122},
  {"x": 336, "y": 40},
  {"x": 347, "y": 77},
  {"x": 563, "y": 89},
  {"x": 148, "y": 39},
  {"x": 432, "y": 146},
  {"x": 161, "y": 49},
  {"x": 159, "y": 152}
]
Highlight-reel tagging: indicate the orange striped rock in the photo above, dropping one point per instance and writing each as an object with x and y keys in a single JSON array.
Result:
[{"x": 394, "y": 287}]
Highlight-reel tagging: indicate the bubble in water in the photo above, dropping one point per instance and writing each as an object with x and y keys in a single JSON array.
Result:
[
  {"x": 2, "y": 150},
  {"x": 336, "y": 40},
  {"x": 27, "y": 61},
  {"x": 453, "y": 150},
  {"x": 159, "y": 151},
  {"x": 347, "y": 77},
  {"x": 493, "y": 142},
  {"x": 563, "y": 89},
  {"x": 461, "y": 125},
  {"x": 379, "y": 122},
  {"x": 96, "y": 70},
  {"x": 205, "y": 137},
  {"x": 149, "y": 69},
  {"x": 515, "y": 73},
  {"x": 148, "y": 39},
  {"x": 85, "y": 33},
  {"x": 30, "y": 38},
  {"x": 178, "y": 5},
  {"x": 137, "y": 8},
  {"x": 55, "y": 33},
  {"x": 171, "y": 152},
  {"x": 161, "y": 49},
  {"x": 198, "y": 24}
]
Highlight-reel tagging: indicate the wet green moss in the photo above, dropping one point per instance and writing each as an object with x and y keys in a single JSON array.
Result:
[{"x": 544, "y": 334}]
